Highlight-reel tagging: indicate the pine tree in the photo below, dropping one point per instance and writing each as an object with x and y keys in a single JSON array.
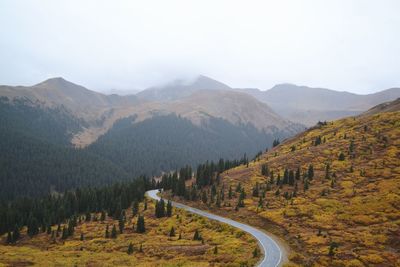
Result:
[
  {"x": 114, "y": 232},
  {"x": 82, "y": 237},
  {"x": 160, "y": 208},
  {"x": 88, "y": 216},
  {"x": 204, "y": 197},
  {"x": 48, "y": 229},
  {"x": 215, "y": 250},
  {"x": 121, "y": 223},
  {"x": 64, "y": 233},
  {"x": 332, "y": 248},
  {"x": 351, "y": 147},
  {"x": 285, "y": 176},
  {"x": 256, "y": 190},
  {"x": 341, "y": 156},
  {"x": 298, "y": 174},
  {"x": 196, "y": 235},
  {"x": 140, "y": 228},
  {"x": 327, "y": 169},
  {"x": 135, "y": 208},
  {"x": 230, "y": 192},
  {"x": 33, "y": 226},
  {"x": 169, "y": 208},
  {"x": 310, "y": 173},
  {"x": 71, "y": 229},
  {"x": 305, "y": 185},
  {"x": 172, "y": 232},
  {"x": 9, "y": 238},
  {"x": 255, "y": 253},
  {"x": 130, "y": 249},
  {"x": 107, "y": 234},
  {"x": 264, "y": 169},
  {"x": 103, "y": 216},
  {"x": 141, "y": 247},
  {"x": 291, "y": 177},
  {"x": 16, "y": 233}
]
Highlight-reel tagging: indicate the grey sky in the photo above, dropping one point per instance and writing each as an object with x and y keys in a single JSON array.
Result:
[{"x": 339, "y": 44}]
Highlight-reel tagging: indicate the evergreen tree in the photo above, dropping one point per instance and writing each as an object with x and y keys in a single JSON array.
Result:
[
  {"x": 121, "y": 224},
  {"x": 204, "y": 197},
  {"x": 160, "y": 208},
  {"x": 48, "y": 229},
  {"x": 230, "y": 192},
  {"x": 305, "y": 185},
  {"x": 169, "y": 208},
  {"x": 33, "y": 226},
  {"x": 107, "y": 234},
  {"x": 298, "y": 174},
  {"x": 172, "y": 232},
  {"x": 310, "y": 173},
  {"x": 341, "y": 156},
  {"x": 114, "y": 232},
  {"x": 82, "y": 237},
  {"x": 196, "y": 235},
  {"x": 71, "y": 227},
  {"x": 215, "y": 250},
  {"x": 64, "y": 233},
  {"x": 327, "y": 169},
  {"x": 103, "y": 216},
  {"x": 130, "y": 249},
  {"x": 351, "y": 147},
  {"x": 317, "y": 140},
  {"x": 88, "y": 217},
  {"x": 9, "y": 238},
  {"x": 291, "y": 177},
  {"x": 256, "y": 190},
  {"x": 332, "y": 248},
  {"x": 255, "y": 253},
  {"x": 135, "y": 208},
  {"x": 140, "y": 228},
  {"x": 16, "y": 233}
]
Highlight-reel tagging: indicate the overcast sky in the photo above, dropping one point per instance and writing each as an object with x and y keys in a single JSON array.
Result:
[{"x": 343, "y": 45}]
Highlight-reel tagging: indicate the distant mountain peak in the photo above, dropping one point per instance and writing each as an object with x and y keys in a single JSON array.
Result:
[
  {"x": 182, "y": 88},
  {"x": 56, "y": 82}
]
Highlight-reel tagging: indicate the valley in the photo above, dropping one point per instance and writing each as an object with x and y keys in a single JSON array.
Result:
[{"x": 322, "y": 196}]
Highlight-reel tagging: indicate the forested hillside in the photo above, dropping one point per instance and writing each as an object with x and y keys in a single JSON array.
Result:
[
  {"x": 36, "y": 155},
  {"x": 165, "y": 143}
]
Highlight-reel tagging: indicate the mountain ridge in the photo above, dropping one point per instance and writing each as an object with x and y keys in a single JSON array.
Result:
[{"x": 308, "y": 105}]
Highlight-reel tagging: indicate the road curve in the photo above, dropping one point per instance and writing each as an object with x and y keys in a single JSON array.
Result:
[{"x": 271, "y": 250}]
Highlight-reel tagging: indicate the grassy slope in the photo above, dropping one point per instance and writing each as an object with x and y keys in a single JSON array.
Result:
[
  {"x": 358, "y": 210},
  {"x": 234, "y": 246}
]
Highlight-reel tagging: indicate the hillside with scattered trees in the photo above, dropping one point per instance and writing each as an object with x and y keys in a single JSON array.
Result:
[{"x": 332, "y": 193}]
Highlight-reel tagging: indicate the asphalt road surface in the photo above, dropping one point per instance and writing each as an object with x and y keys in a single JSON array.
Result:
[{"x": 271, "y": 250}]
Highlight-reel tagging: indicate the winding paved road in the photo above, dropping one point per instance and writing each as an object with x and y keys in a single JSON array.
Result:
[{"x": 271, "y": 250}]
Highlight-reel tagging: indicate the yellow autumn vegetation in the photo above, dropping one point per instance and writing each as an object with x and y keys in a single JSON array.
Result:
[
  {"x": 357, "y": 207},
  {"x": 234, "y": 247}
]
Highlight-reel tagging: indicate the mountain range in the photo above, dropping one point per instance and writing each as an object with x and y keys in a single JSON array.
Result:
[
  {"x": 309, "y": 105},
  {"x": 157, "y": 130}
]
